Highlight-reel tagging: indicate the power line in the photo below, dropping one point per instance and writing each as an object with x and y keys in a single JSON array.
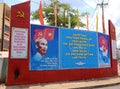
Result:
[
  {"x": 93, "y": 21},
  {"x": 111, "y": 15},
  {"x": 87, "y": 3}
]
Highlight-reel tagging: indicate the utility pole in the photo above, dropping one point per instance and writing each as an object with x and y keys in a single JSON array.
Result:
[{"x": 102, "y": 6}]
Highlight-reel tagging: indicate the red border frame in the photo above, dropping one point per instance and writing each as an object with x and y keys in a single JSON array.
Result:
[{"x": 28, "y": 77}]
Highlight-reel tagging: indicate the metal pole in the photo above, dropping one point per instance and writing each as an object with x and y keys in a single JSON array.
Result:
[
  {"x": 102, "y": 6},
  {"x": 103, "y": 24}
]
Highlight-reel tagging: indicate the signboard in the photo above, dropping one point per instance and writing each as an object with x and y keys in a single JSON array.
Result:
[
  {"x": 103, "y": 50},
  {"x": 44, "y": 48},
  {"x": 3, "y": 54},
  {"x": 19, "y": 43},
  {"x": 114, "y": 49},
  {"x": 61, "y": 48},
  {"x": 78, "y": 49}
]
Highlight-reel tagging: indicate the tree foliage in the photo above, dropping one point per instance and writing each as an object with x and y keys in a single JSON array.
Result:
[{"x": 63, "y": 12}]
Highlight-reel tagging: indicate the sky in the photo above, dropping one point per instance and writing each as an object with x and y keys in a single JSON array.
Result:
[{"x": 111, "y": 11}]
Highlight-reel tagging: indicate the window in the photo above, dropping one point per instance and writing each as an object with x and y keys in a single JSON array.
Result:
[
  {"x": 6, "y": 44},
  {"x": 7, "y": 11},
  {"x": 7, "y": 29}
]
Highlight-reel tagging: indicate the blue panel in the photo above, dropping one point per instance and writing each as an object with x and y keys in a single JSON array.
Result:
[
  {"x": 50, "y": 60},
  {"x": 104, "y": 50},
  {"x": 68, "y": 49},
  {"x": 78, "y": 49}
]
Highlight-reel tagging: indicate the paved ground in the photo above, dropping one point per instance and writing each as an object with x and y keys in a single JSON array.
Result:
[{"x": 68, "y": 85}]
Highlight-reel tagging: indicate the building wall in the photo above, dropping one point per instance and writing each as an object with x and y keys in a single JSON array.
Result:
[
  {"x": 4, "y": 26},
  {"x": 1, "y": 22}
]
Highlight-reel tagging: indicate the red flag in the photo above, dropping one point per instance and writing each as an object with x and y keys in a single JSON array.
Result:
[
  {"x": 38, "y": 34},
  {"x": 49, "y": 33},
  {"x": 41, "y": 14},
  {"x": 103, "y": 43}
]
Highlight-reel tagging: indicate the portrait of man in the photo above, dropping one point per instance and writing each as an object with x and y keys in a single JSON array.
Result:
[
  {"x": 42, "y": 44},
  {"x": 103, "y": 49}
]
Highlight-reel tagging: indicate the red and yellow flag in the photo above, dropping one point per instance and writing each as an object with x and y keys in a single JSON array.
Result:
[{"x": 41, "y": 19}]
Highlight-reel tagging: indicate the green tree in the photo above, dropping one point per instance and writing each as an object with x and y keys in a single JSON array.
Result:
[{"x": 63, "y": 12}]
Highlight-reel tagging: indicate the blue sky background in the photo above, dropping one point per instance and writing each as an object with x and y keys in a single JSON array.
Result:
[
  {"x": 111, "y": 11},
  {"x": 82, "y": 5}
]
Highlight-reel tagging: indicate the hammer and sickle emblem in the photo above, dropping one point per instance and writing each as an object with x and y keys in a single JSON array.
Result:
[{"x": 20, "y": 14}]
